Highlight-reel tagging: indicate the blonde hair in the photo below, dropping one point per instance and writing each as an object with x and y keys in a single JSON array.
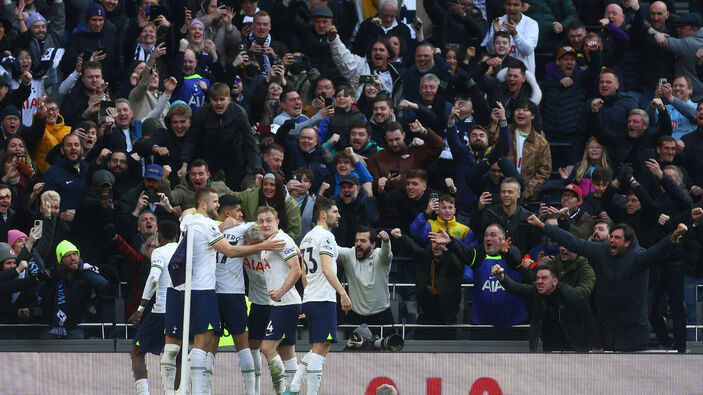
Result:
[
  {"x": 50, "y": 195},
  {"x": 585, "y": 164}
]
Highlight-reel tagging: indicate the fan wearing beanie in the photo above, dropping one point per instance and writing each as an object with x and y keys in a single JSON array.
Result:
[
  {"x": 73, "y": 281},
  {"x": 92, "y": 35}
]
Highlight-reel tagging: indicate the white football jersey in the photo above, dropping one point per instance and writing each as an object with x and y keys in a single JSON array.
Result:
[
  {"x": 277, "y": 270},
  {"x": 255, "y": 267},
  {"x": 160, "y": 258},
  {"x": 317, "y": 242},
  {"x": 229, "y": 272},
  {"x": 206, "y": 232}
]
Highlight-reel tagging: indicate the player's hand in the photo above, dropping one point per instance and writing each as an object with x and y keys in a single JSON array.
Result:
[
  {"x": 346, "y": 302},
  {"x": 498, "y": 272},
  {"x": 229, "y": 222},
  {"x": 136, "y": 318},
  {"x": 272, "y": 244},
  {"x": 276, "y": 295}
]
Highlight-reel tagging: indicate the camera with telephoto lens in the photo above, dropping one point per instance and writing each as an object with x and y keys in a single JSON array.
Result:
[{"x": 362, "y": 339}]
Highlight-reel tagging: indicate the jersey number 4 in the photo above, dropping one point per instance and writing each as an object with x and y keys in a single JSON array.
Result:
[{"x": 310, "y": 262}]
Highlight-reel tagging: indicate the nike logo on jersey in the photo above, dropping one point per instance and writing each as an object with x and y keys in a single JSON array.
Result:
[{"x": 68, "y": 182}]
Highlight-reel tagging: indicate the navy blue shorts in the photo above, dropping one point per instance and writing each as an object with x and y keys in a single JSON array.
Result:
[
  {"x": 204, "y": 315},
  {"x": 283, "y": 323},
  {"x": 258, "y": 318},
  {"x": 322, "y": 321},
  {"x": 150, "y": 333},
  {"x": 233, "y": 312}
]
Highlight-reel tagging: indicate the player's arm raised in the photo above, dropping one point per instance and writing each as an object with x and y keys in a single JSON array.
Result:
[
  {"x": 293, "y": 276},
  {"x": 331, "y": 277},
  {"x": 234, "y": 251}
]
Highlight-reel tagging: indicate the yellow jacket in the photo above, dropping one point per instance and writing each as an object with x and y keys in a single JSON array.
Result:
[{"x": 53, "y": 134}]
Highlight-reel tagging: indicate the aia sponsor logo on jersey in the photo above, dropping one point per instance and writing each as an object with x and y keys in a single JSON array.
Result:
[{"x": 255, "y": 264}]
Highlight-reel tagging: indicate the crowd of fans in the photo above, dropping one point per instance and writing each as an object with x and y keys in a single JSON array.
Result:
[{"x": 477, "y": 119}]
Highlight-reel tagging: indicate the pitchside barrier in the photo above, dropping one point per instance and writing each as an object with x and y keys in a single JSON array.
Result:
[{"x": 356, "y": 373}]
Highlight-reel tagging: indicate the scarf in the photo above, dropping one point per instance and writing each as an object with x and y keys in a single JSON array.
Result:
[
  {"x": 262, "y": 59},
  {"x": 141, "y": 53},
  {"x": 60, "y": 319}
]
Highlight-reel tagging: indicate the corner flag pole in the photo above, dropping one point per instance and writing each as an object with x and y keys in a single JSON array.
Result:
[{"x": 185, "y": 368}]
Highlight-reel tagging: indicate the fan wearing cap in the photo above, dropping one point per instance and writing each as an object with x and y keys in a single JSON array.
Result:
[
  {"x": 357, "y": 206},
  {"x": 74, "y": 281},
  {"x": 577, "y": 220},
  {"x": 95, "y": 210},
  {"x": 314, "y": 40},
  {"x": 94, "y": 35},
  {"x": 686, "y": 48},
  {"x": 152, "y": 195},
  {"x": 563, "y": 95}
]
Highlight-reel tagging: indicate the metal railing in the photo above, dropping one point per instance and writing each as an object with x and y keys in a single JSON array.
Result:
[{"x": 392, "y": 286}]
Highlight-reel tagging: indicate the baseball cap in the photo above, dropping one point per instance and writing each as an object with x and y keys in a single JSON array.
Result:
[
  {"x": 350, "y": 178},
  {"x": 688, "y": 20},
  {"x": 322, "y": 12},
  {"x": 566, "y": 50},
  {"x": 573, "y": 188},
  {"x": 153, "y": 171},
  {"x": 102, "y": 177}
]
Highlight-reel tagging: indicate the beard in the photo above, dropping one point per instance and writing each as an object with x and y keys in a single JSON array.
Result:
[
  {"x": 478, "y": 146},
  {"x": 362, "y": 253}
]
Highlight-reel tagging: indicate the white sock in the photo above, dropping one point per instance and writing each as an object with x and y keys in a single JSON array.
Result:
[
  {"x": 197, "y": 370},
  {"x": 256, "y": 356},
  {"x": 209, "y": 364},
  {"x": 142, "y": 387},
  {"x": 246, "y": 365},
  {"x": 290, "y": 365},
  {"x": 315, "y": 372},
  {"x": 278, "y": 376},
  {"x": 297, "y": 381},
  {"x": 168, "y": 367}
]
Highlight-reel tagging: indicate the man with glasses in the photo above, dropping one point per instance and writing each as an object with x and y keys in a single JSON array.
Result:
[{"x": 292, "y": 106}]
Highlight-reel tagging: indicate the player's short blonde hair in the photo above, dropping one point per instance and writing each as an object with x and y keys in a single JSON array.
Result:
[{"x": 266, "y": 209}]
